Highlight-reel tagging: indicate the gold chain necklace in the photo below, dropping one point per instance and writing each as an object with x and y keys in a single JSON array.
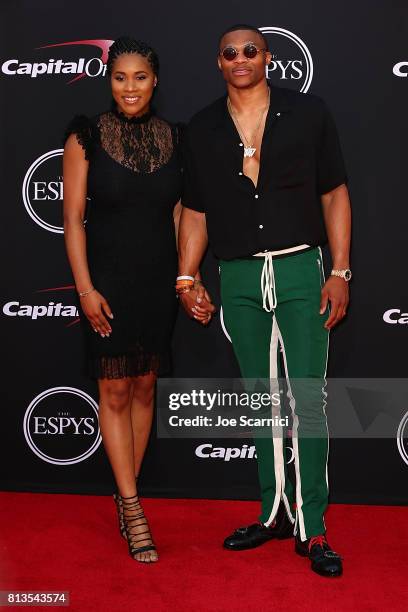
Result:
[{"x": 249, "y": 149}]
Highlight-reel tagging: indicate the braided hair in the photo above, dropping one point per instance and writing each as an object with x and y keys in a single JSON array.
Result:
[{"x": 125, "y": 44}]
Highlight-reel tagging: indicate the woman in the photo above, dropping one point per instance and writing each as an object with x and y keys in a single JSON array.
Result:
[{"x": 124, "y": 264}]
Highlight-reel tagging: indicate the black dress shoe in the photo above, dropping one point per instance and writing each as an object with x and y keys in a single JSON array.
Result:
[
  {"x": 324, "y": 560},
  {"x": 257, "y": 534}
]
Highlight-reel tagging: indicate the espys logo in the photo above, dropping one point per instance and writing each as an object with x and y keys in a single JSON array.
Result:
[
  {"x": 61, "y": 426},
  {"x": 81, "y": 67},
  {"x": 292, "y": 63},
  {"x": 402, "y": 441},
  {"x": 43, "y": 191},
  {"x": 400, "y": 69},
  {"x": 53, "y": 309},
  {"x": 208, "y": 451},
  {"x": 394, "y": 316}
]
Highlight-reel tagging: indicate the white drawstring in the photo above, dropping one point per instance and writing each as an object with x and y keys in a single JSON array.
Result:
[
  {"x": 268, "y": 275},
  {"x": 268, "y": 284}
]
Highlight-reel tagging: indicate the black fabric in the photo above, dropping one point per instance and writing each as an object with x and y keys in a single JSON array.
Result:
[
  {"x": 85, "y": 131},
  {"x": 300, "y": 160},
  {"x": 134, "y": 181}
]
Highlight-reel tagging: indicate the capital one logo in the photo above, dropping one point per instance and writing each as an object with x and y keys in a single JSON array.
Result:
[
  {"x": 61, "y": 426},
  {"x": 43, "y": 191},
  {"x": 292, "y": 63},
  {"x": 208, "y": 451},
  {"x": 394, "y": 316},
  {"x": 54, "y": 308},
  {"x": 402, "y": 441},
  {"x": 400, "y": 69},
  {"x": 81, "y": 66}
]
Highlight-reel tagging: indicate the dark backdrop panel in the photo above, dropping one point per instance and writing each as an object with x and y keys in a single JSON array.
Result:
[{"x": 354, "y": 47}]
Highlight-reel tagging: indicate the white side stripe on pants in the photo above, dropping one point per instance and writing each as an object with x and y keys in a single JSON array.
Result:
[{"x": 324, "y": 387}]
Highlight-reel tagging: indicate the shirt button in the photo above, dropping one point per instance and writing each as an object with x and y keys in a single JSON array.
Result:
[
  {"x": 265, "y": 250},
  {"x": 240, "y": 173},
  {"x": 260, "y": 226},
  {"x": 240, "y": 144},
  {"x": 278, "y": 114},
  {"x": 257, "y": 196}
]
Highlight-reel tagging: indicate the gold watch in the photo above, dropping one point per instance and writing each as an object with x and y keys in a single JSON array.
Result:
[{"x": 345, "y": 274}]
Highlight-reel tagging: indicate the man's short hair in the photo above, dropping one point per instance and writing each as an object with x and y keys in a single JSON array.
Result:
[{"x": 244, "y": 26}]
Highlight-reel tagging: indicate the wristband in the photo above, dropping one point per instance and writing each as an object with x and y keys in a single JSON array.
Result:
[
  {"x": 185, "y": 277},
  {"x": 185, "y": 283}
]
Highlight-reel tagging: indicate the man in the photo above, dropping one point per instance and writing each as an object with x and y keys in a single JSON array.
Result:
[{"x": 265, "y": 178}]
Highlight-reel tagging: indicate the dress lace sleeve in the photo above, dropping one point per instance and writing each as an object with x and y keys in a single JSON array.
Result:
[{"x": 85, "y": 132}]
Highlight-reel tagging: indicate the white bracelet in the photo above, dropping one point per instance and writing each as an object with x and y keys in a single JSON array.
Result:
[{"x": 185, "y": 277}]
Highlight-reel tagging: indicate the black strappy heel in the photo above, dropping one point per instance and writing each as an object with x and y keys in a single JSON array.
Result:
[
  {"x": 119, "y": 509},
  {"x": 134, "y": 521}
]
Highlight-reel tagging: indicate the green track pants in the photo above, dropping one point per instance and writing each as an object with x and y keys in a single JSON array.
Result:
[{"x": 295, "y": 325}]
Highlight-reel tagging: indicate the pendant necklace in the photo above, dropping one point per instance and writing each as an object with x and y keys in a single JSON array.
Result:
[{"x": 249, "y": 149}]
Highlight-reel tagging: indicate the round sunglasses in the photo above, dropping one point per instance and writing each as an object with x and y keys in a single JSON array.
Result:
[{"x": 250, "y": 51}]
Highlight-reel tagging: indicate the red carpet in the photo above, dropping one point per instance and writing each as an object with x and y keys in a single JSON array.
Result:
[{"x": 71, "y": 543}]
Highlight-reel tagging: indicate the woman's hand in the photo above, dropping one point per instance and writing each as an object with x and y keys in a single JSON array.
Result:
[
  {"x": 197, "y": 304},
  {"x": 95, "y": 308},
  {"x": 202, "y": 293}
]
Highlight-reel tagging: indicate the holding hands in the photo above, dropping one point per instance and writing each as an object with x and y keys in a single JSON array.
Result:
[{"x": 195, "y": 299}]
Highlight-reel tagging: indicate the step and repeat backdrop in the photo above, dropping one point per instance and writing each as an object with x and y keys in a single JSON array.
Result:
[{"x": 53, "y": 55}]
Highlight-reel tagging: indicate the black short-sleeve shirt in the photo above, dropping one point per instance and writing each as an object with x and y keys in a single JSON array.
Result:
[{"x": 301, "y": 159}]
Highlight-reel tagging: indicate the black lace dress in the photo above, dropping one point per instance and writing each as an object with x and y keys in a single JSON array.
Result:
[{"x": 134, "y": 182}]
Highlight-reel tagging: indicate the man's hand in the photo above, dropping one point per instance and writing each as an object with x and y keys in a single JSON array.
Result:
[
  {"x": 335, "y": 291},
  {"x": 197, "y": 304}
]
